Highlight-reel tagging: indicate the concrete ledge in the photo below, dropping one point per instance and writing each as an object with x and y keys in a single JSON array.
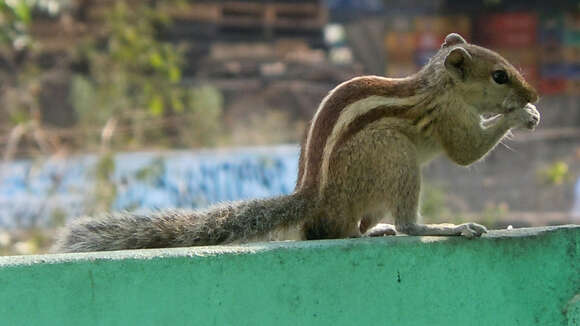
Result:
[{"x": 517, "y": 277}]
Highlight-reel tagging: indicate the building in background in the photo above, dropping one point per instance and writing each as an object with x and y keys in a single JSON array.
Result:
[
  {"x": 273, "y": 61},
  {"x": 277, "y": 50}
]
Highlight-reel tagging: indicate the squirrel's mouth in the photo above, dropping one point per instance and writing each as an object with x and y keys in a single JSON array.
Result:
[{"x": 512, "y": 103}]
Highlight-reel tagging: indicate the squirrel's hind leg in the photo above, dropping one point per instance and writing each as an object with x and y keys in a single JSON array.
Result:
[
  {"x": 369, "y": 227},
  {"x": 381, "y": 230},
  {"x": 334, "y": 222},
  {"x": 329, "y": 229}
]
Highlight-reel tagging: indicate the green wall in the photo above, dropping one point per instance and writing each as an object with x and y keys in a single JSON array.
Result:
[{"x": 518, "y": 277}]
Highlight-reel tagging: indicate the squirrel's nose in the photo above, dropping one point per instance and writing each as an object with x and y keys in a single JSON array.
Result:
[{"x": 531, "y": 94}]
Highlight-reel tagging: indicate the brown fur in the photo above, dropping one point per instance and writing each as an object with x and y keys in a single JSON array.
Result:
[
  {"x": 301, "y": 157},
  {"x": 339, "y": 98},
  {"x": 374, "y": 167},
  {"x": 360, "y": 161},
  {"x": 371, "y": 116}
]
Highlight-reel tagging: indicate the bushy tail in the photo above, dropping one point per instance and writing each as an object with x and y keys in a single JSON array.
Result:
[{"x": 216, "y": 225}]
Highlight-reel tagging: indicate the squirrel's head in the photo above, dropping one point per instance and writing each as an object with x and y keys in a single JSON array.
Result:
[{"x": 483, "y": 78}]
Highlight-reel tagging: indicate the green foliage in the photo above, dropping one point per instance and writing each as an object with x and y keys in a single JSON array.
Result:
[
  {"x": 136, "y": 80},
  {"x": 22, "y": 78},
  {"x": 16, "y": 16},
  {"x": 555, "y": 174},
  {"x": 14, "y": 19},
  {"x": 136, "y": 62},
  {"x": 131, "y": 75},
  {"x": 133, "y": 95}
]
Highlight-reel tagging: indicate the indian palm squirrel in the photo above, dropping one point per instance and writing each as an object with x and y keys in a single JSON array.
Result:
[{"x": 360, "y": 160}]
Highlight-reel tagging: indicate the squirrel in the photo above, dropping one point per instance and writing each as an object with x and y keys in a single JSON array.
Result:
[{"x": 360, "y": 160}]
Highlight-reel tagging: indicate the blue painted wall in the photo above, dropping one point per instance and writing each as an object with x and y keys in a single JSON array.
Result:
[{"x": 32, "y": 192}]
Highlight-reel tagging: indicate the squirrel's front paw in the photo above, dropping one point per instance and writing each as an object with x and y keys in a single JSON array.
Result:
[{"x": 527, "y": 117}]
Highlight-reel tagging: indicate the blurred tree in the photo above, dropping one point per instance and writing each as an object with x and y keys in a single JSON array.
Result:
[
  {"x": 14, "y": 20},
  {"x": 134, "y": 90},
  {"x": 556, "y": 174},
  {"x": 18, "y": 78}
]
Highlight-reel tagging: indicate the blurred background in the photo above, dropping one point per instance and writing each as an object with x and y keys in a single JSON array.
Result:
[{"x": 134, "y": 105}]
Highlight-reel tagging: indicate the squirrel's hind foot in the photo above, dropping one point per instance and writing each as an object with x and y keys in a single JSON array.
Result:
[{"x": 381, "y": 230}]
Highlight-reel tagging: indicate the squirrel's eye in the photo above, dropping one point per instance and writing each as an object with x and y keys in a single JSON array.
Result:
[{"x": 500, "y": 76}]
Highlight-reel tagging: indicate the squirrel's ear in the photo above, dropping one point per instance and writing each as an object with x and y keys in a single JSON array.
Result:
[
  {"x": 456, "y": 62},
  {"x": 453, "y": 39}
]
